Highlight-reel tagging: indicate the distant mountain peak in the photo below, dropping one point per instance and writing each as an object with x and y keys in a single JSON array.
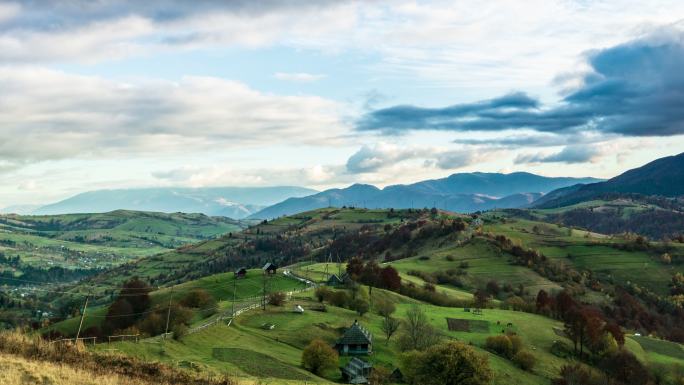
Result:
[{"x": 464, "y": 192}]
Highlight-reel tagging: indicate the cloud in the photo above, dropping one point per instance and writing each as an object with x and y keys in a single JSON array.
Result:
[
  {"x": 569, "y": 155},
  {"x": 300, "y": 77},
  {"x": 90, "y": 31},
  {"x": 632, "y": 89},
  {"x": 370, "y": 159},
  {"x": 223, "y": 176},
  {"x": 46, "y": 115}
]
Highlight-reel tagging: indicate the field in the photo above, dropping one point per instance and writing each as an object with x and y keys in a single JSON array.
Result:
[
  {"x": 590, "y": 251},
  {"x": 279, "y": 349},
  {"x": 98, "y": 241},
  {"x": 247, "y": 290}
]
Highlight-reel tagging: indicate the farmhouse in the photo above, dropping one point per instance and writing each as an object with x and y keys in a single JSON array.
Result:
[
  {"x": 241, "y": 272},
  {"x": 355, "y": 341},
  {"x": 269, "y": 268},
  {"x": 356, "y": 371}
]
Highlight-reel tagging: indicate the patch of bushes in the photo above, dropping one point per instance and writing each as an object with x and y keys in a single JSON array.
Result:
[{"x": 524, "y": 360}]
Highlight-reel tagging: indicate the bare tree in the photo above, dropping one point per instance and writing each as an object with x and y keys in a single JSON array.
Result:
[
  {"x": 390, "y": 326},
  {"x": 418, "y": 333}
]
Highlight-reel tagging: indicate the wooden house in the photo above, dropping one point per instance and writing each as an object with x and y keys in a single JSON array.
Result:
[
  {"x": 240, "y": 273},
  {"x": 270, "y": 268},
  {"x": 355, "y": 341},
  {"x": 356, "y": 371}
]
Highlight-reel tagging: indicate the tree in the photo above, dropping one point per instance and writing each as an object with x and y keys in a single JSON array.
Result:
[
  {"x": 543, "y": 301},
  {"x": 389, "y": 326},
  {"x": 277, "y": 298},
  {"x": 355, "y": 268},
  {"x": 322, "y": 293},
  {"x": 624, "y": 368},
  {"x": 361, "y": 306},
  {"x": 119, "y": 316},
  {"x": 564, "y": 303},
  {"x": 418, "y": 333},
  {"x": 617, "y": 333},
  {"x": 385, "y": 308},
  {"x": 481, "y": 298},
  {"x": 379, "y": 376},
  {"x": 137, "y": 293},
  {"x": 390, "y": 279},
  {"x": 451, "y": 363},
  {"x": 576, "y": 374},
  {"x": 318, "y": 357},
  {"x": 493, "y": 288}
]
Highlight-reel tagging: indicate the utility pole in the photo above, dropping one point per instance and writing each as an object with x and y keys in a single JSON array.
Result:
[
  {"x": 263, "y": 297},
  {"x": 168, "y": 315},
  {"x": 80, "y": 324},
  {"x": 232, "y": 311}
]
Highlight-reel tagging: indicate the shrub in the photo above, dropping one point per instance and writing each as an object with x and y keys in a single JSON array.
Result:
[
  {"x": 385, "y": 308},
  {"x": 500, "y": 345},
  {"x": 198, "y": 298},
  {"x": 179, "y": 330},
  {"x": 450, "y": 363},
  {"x": 450, "y": 258},
  {"x": 361, "y": 306},
  {"x": 525, "y": 360},
  {"x": 322, "y": 293},
  {"x": 154, "y": 324},
  {"x": 277, "y": 298},
  {"x": 516, "y": 342},
  {"x": 318, "y": 357},
  {"x": 339, "y": 298}
]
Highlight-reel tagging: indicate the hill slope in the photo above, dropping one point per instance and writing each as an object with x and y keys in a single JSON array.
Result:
[
  {"x": 88, "y": 242},
  {"x": 233, "y": 202},
  {"x": 466, "y": 192},
  {"x": 662, "y": 177}
]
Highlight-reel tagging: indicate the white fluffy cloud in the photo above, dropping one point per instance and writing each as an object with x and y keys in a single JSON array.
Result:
[
  {"x": 383, "y": 156},
  {"x": 47, "y": 114}
]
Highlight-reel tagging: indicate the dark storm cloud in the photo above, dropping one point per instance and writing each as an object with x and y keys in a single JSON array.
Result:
[{"x": 633, "y": 89}]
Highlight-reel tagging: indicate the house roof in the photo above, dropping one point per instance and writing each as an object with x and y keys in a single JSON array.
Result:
[
  {"x": 269, "y": 266},
  {"x": 356, "y": 335},
  {"x": 355, "y": 369},
  {"x": 241, "y": 270},
  {"x": 334, "y": 278}
]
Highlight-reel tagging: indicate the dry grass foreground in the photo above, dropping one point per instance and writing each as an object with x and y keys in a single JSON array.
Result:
[{"x": 30, "y": 360}]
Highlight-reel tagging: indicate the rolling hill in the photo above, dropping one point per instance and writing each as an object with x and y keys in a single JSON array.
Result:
[
  {"x": 232, "y": 202},
  {"x": 465, "y": 192},
  {"x": 90, "y": 242},
  {"x": 647, "y": 200}
]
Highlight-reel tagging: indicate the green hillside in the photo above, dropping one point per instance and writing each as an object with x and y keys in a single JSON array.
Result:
[{"x": 98, "y": 241}]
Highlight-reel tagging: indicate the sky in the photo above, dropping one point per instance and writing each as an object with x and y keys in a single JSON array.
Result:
[{"x": 123, "y": 93}]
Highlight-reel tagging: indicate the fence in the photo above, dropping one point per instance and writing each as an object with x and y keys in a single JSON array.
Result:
[
  {"x": 123, "y": 337},
  {"x": 230, "y": 316},
  {"x": 74, "y": 340}
]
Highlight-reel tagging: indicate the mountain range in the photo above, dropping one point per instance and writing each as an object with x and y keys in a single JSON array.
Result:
[
  {"x": 661, "y": 177},
  {"x": 233, "y": 202},
  {"x": 463, "y": 192}
]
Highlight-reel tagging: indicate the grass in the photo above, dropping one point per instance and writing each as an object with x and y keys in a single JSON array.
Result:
[
  {"x": 590, "y": 251},
  {"x": 220, "y": 286},
  {"x": 89, "y": 241},
  {"x": 485, "y": 262},
  {"x": 247, "y": 341}
]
